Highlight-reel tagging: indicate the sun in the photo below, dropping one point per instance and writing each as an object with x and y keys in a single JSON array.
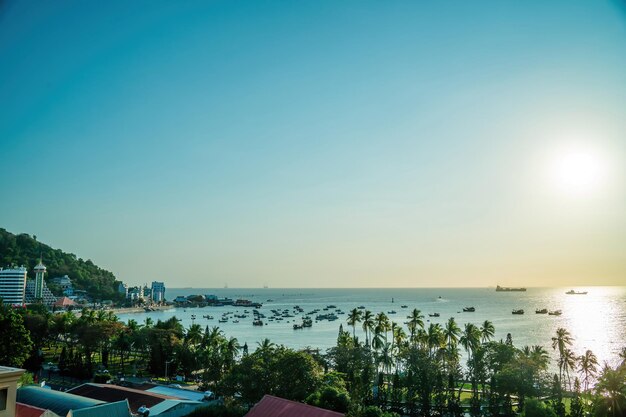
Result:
[{"x": 579, "y": 171}]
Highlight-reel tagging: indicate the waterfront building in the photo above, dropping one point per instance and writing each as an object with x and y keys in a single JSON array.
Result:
[
  {"x": 135, "y": 293},
  {"x": 46, "y": 296},
  {"x": 158, "y": 291},
  {"x": 13, "y": 285},
  {"x": 8, "y": 389}
]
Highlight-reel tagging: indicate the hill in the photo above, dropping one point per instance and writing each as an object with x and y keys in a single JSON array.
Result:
[{"x": 23, "y": 249}]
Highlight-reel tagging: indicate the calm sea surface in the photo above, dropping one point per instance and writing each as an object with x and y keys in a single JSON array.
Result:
[{"x": 597, "y": 320}]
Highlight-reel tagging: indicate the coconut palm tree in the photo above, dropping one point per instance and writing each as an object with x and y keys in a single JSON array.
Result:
[
  {"x": 470, "y": 338},
  {"x": 568, "y": 362},
  {"x": 451, "y": 332},
  {"x": 354, "y": 317},
  {"x": 193, "y": 336},
  {"x": 434, "y": 337},
  {"x": 230, "y": 350},
  {"x": 588, "y": 367},
  {"x": 561, "y": 341},
  {"x": 416, "y": 320},
  {"x": 368, "y": 325},
  {"x": 266, "y": 346},
  {"x": 610, "y": 393},
  {"x": 383, "y": 321},
  {"x": 487, "y": 331}
]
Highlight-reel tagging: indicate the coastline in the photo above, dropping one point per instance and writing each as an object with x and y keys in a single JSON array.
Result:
[{"x": 129, "y": 310}]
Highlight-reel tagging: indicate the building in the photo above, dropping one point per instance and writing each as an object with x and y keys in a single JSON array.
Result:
[
  {"x": 23, "y": 410},
  {"x": 40, "y": 271},
  {"x": 46, "y": 297},
  {"x": 65, "y": 283},
  {"x": 13, "y": 285},
  {"x": 69, "y": 405},
  {"x": 158, "y": 292},
  {"x": 8, "y": 390},
  {"x": 157, "y": 404},
  {"x": 271, "y": 406},
  {"x": 123, "y": 289},
  {"x": 135, "y": 293}
]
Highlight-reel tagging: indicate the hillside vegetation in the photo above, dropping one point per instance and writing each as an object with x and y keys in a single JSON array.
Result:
[{"x": 23, "y": 249}]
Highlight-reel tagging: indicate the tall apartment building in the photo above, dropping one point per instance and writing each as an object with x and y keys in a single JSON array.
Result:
[
  {"x": 13, "y": 285},
  {"x": 158, "y": 291}
]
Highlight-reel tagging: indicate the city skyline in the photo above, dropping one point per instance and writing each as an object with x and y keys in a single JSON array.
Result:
[{"x": 358, "y": 144}]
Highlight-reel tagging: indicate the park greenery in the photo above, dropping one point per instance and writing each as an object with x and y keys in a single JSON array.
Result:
[
  {"x": 25, "y": 250},
  {"x": 377, "y": 367}
]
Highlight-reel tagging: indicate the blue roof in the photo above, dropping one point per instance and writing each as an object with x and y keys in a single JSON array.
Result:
[
  {"x": 184, "y": 394},
  {"x": 56, "y": 401},
  {"x": 116, "y": 409}
]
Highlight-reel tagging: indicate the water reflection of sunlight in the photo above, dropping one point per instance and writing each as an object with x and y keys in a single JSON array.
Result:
[{"x": 594, "y": 320}]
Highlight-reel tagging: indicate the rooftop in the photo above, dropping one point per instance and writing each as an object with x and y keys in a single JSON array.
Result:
[
  {"x": 59, "y": 402},
  {"x": 111, "y": 393},
  {"x": 271, "y": 406}
]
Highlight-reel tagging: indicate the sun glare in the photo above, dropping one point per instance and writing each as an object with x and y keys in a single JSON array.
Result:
[{"x": 579, "y": 171}]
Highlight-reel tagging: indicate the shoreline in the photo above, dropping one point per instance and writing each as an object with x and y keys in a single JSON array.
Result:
[{"x": 129, "y": 310}]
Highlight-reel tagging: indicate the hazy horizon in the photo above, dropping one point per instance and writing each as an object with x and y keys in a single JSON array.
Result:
[{"x": 353, "y": 144}]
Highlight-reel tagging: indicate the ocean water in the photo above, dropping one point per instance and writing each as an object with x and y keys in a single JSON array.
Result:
[{"x": 597, "y": 321}]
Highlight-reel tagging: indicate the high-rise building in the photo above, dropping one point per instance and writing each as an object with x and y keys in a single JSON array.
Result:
[
  {"x": 13, "y": 285},
  {"x": 40, "y": 271},
  {"x": 158, "y": 291}
]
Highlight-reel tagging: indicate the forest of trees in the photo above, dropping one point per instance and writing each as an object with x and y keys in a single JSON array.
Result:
[
  {"x": 393, "y": 370},
  {"x": 25, "y": 250}
]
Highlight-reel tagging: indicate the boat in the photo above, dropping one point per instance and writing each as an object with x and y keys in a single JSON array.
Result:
[
  {"x": 555, "y": 313},
  {"x": 469, "y": 309},
  {"x": 433, "y": 315},
  {"x": 208, "y": 317},
  {"x": 391, "y": 312},
  {"x": 508, "y": 289},
  {"x": 404, "y": 306},
  {"x": 518, "y": 311},
  {"x": 297, "y": 326},
  {"x": 572, "y": 292},
  {"x": 542, "y": 311},
  {"x": 257, "y": 323}
]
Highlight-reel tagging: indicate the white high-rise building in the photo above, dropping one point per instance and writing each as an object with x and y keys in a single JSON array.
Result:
[{"x": 13, "y": 285}]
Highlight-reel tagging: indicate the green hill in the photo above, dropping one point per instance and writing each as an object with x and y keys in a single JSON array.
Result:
[{"x": 22, "y": 249}]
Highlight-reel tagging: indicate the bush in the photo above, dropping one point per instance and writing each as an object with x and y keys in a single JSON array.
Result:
[{"x": 536, "y": 408}]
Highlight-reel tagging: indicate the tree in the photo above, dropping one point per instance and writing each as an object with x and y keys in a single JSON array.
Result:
[
  {"x": 354, "y": 317},
  {"x": 487, "y": 331},
  {"x": 560, "y": 342},
  {"x": 16, "y": 342},
  {"x": 368, "y": 325},
  {"x": 610, "y": 398},
  {"x": 588, "y": 367},
  {"x": 536, "y": 408}
]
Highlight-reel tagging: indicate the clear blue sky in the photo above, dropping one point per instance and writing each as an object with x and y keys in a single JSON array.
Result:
[{"x": 320, "y": 143}]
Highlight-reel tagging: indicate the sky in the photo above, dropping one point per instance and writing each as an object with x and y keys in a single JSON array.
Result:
[{"x": 320, "y": 143}]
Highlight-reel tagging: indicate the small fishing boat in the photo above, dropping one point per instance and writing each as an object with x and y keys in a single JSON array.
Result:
[
  {"x": 542, "y": 311},
  {"x": 433, "y": 315},
  {"x": 572, "y": 292},
  {"x": 469, "y": 309},
  {"x": 555, "y": 313},
  {"x": 518, "y": 311}
]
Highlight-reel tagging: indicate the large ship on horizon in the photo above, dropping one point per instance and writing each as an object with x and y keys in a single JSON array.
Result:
[{"x": 507, "y": 289}]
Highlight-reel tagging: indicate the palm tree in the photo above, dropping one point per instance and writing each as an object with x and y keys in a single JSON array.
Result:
[
  {"x": 451, "y": 332},
  {"x": 194, "y": 335},
  {"x": 230, "y": 350},
  {"x": 487, "y": 331},
  {"x": 561, "y": 341},
  {"x": 540, "y": 356},
  {"x": 368, "y": 325},
  {"x": 470, "y": 339},
  {"x": 610, "y": 393},
  {"x": 416, "y": 320},
  {"x": 383, "y": 322},
  {"x": 265, "y": 347},
  {"x": 568, "y": 362},
  {"x": 354, "y": 317},
  {"x": 588, "y": 367},
  {"x": 434, "y": 337},
  {"x": 148, "y": 322}
]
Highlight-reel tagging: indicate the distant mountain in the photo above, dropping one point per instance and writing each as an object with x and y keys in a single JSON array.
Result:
[{"x": 22, "y": 249}]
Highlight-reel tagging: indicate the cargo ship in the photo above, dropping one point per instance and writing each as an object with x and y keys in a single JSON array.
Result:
[{"x": 508, "y": 289}]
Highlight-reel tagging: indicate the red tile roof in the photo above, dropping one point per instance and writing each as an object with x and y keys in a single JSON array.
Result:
[
  {"x": 271, "y": 406},
  {"x": 112, "y": 393},
  {"x": 25, "y": 410}
]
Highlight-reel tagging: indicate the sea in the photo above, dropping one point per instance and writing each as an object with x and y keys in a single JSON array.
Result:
[{"x": 596, "y": 321}]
